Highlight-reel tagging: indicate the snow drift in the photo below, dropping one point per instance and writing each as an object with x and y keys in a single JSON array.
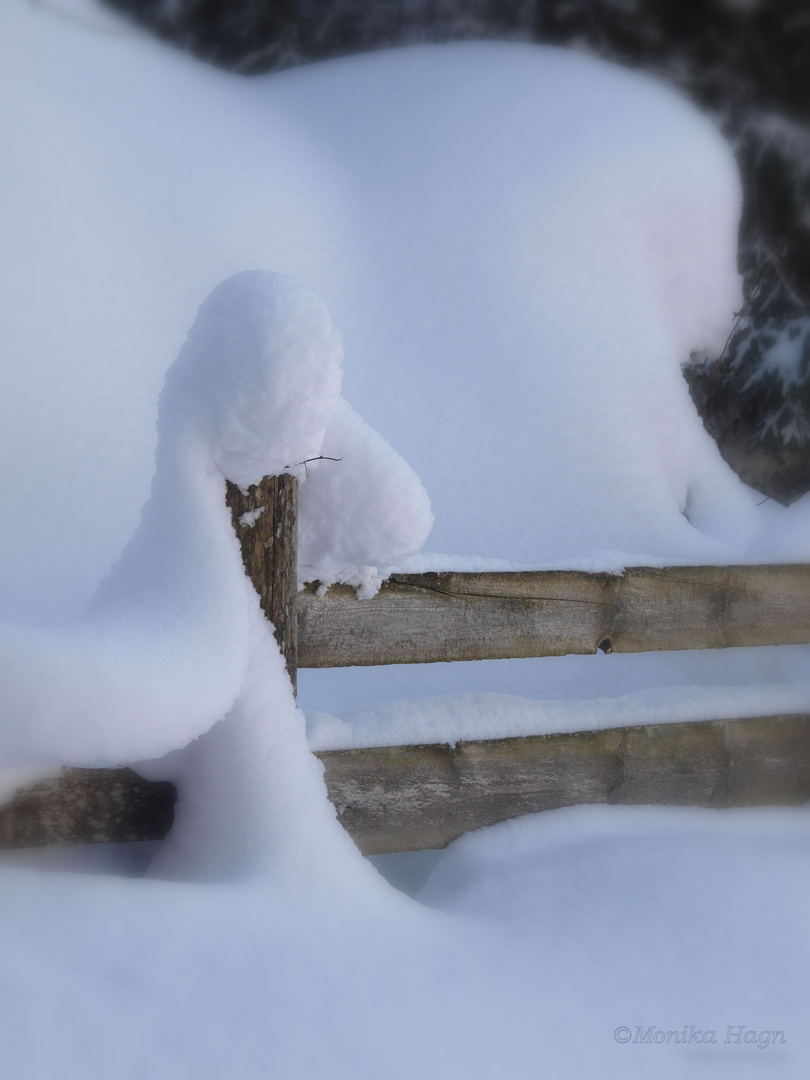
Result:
[
  {"x": 174, "y": 640},
  {"x": 519, "y": 247}
]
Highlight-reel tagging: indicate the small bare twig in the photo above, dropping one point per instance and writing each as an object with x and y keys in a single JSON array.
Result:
[{"x": 320, "y": 457}]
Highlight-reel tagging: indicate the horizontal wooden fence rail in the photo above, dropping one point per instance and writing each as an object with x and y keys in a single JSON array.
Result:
[
  {"x": 403, "y": 798},
  {"x": 424, "y": 618},
  {"x": 88, "y": 806}
]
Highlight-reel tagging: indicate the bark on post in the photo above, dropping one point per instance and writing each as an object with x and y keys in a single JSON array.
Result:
[{"x": 265, "y": 518}]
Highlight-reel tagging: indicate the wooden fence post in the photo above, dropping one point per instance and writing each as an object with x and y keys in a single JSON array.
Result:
[{"x": 265, "y": 517}]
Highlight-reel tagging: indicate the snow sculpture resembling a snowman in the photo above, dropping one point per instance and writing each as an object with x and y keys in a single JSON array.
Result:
[{"x": 174, "y": 640}]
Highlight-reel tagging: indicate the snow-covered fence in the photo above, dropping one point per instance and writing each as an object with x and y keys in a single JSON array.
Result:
[
  {"x": 409, "y": 797},
  {"x": 439, "y": 617}
]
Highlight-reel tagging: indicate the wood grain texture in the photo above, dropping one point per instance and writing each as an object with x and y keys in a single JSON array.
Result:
[
  {"x": 265, "y": 518},
  {"x": 425, "y": 618},
  {"x": 407, "y": 798}
]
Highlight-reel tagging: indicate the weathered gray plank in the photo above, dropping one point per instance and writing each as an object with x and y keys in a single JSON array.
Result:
[
  {"x": 88, "y": 806},
  {"x": 406, "y": 798},
  {"x": 425, "y": 618}
]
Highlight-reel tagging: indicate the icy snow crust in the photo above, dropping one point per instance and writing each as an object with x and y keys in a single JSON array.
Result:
[{"x": 518, "y": 247}]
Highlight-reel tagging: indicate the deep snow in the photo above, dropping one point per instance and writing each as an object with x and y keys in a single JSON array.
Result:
[
  {"x": 515, "y": 285},
  {"x": 540, "y": 937},
  {"x": 518, "y": 248}
]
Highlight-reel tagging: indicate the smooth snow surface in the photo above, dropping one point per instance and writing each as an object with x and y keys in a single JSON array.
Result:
[
  {"x": 487, "y": 715},
  {"x": 361, "y": 508},
  {"x": 489, "y": 699},
  {"x": 548, "y": 934},
  {"x": 518, "y": 246}
]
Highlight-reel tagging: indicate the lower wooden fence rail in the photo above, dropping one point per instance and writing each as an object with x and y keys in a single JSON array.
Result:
[{"x": 403, "y": 798}]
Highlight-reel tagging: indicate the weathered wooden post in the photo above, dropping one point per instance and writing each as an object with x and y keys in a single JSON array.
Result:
[{"x": 265, "y": 517}]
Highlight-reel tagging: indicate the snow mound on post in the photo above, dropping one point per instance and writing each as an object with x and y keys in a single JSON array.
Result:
[
  {"x": 364, "y": 510},
  {"x": 545, "y": 240},
  {"x": 164, "y": 649},
  {"x": 258, "y": 377}
]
